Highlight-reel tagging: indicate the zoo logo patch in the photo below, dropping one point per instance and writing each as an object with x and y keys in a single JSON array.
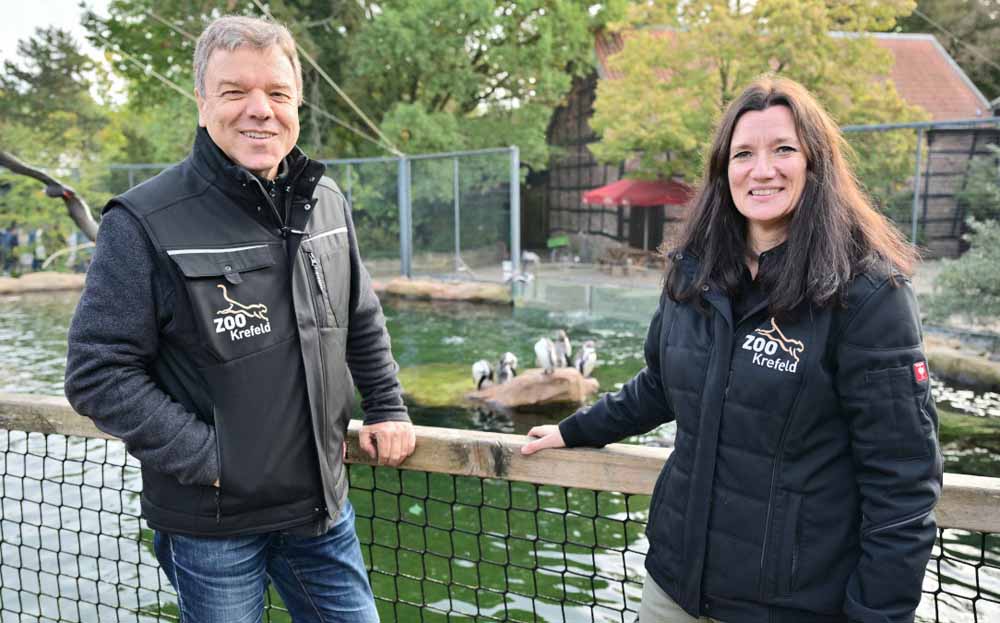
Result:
[
  {"x": 765, "y": 344},
  {"x": 241, "y": 321}
]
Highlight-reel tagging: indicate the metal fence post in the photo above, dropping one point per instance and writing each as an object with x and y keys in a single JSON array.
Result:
[
  {"x": 458, "y": 230},
  {"x": 405, "y": 218},
  {"x": 916, "y": 187},
  {"x": 515, "y": 209},
  {"x": 350, "y": 185}
]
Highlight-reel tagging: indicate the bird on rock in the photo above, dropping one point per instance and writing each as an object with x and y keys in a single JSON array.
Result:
[
  {"x": 482, "y": 374},
  {"x": 506, "y": 368},
  {"x": 564, "y": 350},
  {"x": 545, "y": 355},
  {"x": 586, "y": 358}
]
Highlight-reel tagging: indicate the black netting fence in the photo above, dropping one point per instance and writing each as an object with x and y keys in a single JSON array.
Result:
[{"x": 438, "y": 547}]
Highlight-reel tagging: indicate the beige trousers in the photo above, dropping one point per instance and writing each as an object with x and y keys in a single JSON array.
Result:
[{"x": 658, "y": 607}]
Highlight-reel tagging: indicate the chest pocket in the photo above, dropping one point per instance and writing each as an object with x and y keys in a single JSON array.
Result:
[
  {"x": 239, "y": 296},
  {"x": 327, "y": 261}
]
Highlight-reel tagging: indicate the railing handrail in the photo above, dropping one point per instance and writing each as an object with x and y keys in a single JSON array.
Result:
[{"x": 967, "y": 502}]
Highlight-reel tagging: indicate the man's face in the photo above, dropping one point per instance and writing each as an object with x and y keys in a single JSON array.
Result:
[{"x": 250, "y": 107}]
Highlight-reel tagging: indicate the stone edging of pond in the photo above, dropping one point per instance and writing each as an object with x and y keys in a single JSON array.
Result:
[
  {"x": 42, "y": 282},
  {"x": 951, "y": 361},
  {"x": 436, "y": 290}
]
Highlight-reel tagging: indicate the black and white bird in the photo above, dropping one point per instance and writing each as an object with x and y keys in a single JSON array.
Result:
[
  {"x": 482, "y": 374},
  {"x": 564, "y": 350},
  {"x": 506, "y": 368},
  {"x": 586, "y": 358},
  {"x": 545, "y": 355}
]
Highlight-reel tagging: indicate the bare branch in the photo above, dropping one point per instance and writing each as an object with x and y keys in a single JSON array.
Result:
[{"x": 78, "y": 209}]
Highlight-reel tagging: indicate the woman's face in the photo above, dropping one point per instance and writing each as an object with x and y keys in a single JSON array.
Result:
[{"x": 767, "y": 169}]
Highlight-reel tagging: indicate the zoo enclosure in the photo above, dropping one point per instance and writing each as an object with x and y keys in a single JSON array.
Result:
[
  {"x": 468, "y": 531},
  {"x": 949, "y": 158},
  {"x": 441, "y": 214},
  {"x": 929, "y": 196}
]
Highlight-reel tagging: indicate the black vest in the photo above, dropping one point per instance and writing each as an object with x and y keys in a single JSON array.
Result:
[{"x": 256, "y": 341}]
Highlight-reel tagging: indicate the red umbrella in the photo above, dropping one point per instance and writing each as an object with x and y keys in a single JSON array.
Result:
[
  {"x": 640, "y": 193},
  {"x": 644, "y": 193}
]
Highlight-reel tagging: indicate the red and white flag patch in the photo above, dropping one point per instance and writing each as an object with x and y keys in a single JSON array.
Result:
[{"x": 920, "y": 371}]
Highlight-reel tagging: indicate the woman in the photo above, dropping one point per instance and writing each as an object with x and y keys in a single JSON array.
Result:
[{"x": 787, "y": 346}]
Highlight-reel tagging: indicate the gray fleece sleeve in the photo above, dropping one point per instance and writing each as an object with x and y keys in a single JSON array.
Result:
[
  {"x": 369, "y": 355},
  {"x": 113, "y": 338}
]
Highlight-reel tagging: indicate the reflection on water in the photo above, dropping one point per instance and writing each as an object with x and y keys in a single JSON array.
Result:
[{"x": 33, "y": 332}]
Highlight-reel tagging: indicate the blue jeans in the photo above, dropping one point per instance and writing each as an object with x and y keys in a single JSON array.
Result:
[{"x": 223, "y": 580}]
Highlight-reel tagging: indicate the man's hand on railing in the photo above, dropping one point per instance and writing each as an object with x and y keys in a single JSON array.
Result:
[
  {"x": 388, "y": 442},
  {"x": 548, "y": 437}
]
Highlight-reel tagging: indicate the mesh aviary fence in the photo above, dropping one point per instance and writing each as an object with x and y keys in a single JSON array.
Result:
[
  {"x": 444, "y": 214},
  {"x": 459, "y": 538}
]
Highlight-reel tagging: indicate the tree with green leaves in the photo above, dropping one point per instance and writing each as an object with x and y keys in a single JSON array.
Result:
[
  {"x": 52, "y": 119},
  {"x": 432, "y": 74},
  {"x": 683, "y": 62}
]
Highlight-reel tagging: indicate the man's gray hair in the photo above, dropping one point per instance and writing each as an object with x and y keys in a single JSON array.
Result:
[{"x": 235, "y": 31}]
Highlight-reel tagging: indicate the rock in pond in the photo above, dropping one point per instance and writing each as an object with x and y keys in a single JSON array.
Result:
[{"x": 533, "y": 390}]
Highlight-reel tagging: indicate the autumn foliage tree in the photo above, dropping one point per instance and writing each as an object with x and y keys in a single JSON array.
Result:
[{"x": 683, "y": 62}]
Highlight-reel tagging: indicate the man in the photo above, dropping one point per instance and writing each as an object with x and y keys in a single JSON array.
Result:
[{"x": 224, "y": 316}]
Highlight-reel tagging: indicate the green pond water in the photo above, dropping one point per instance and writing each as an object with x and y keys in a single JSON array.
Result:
[{"x": 440, "y": 548}]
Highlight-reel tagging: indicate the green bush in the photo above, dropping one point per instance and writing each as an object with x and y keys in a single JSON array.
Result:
[
  {"x": 981, "y": 196},
  {"x": 969, "y": 285}
]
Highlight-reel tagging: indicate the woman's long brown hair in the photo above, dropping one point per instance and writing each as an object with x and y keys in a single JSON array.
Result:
[{"x": 834, "y": 233}]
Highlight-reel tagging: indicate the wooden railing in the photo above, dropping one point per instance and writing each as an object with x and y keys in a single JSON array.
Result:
[
  {"x": 466, "y": 529},
  {"x": 967, "y": 502}
]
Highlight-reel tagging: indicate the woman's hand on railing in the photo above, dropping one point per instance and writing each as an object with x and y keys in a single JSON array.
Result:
[{"x": 548, "y": 436}]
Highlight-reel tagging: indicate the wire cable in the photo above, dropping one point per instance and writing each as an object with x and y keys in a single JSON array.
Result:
[
  {"x": 172, "y": 27},
  {"x": 145, "y": 67},
  {"x": 387, "y": 143},
  {"x": 958, "y": 39},
  {"x": 315, "y": 108}
]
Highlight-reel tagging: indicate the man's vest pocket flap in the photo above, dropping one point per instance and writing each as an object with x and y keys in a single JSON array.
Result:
[{"x": 226, "y": 262}]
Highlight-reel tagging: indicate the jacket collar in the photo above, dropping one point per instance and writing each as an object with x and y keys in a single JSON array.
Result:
[{"x": 301, "y": 173}]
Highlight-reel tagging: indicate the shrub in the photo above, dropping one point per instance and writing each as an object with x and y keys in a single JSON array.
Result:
[
  {"x": 981, "y": 196},
  {"x": 969, "y": 285}
]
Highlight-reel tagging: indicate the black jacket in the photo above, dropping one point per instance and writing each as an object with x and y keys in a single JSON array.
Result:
[
  {"x": 217, "y": 335},
  {"x": 806, "y": 464}
]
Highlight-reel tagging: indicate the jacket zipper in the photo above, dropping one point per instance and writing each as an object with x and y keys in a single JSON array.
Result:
[
  {"x": 267, "y": 197},
  {"x": 218, "y": 459},
  {"x": 321, "y": 442},
  {"x": 774, "y": 480},
  {"x": 321, "y": 283}
]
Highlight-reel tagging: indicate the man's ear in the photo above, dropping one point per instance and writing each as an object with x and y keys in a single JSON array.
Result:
[{"x": 201, "y": 106}]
